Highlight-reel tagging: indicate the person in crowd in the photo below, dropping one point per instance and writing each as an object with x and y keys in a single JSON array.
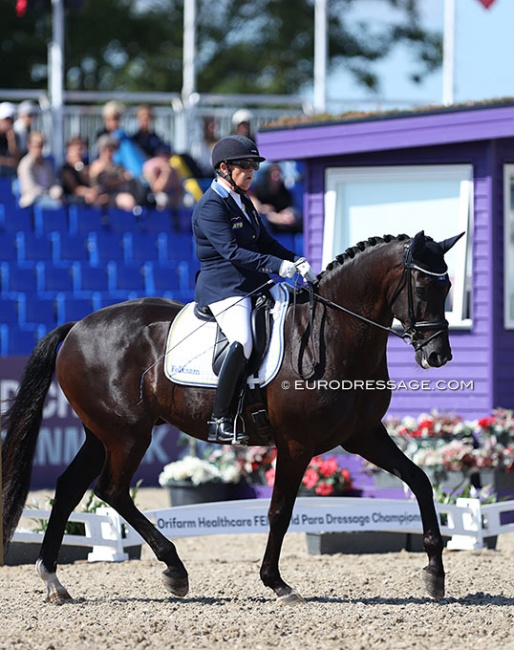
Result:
[
  {"x": 236, "y": 255},
  {"x": 112, "y": 115},
  {"x": 36, "y": 176},
  {"x": 274, "y": 201},
  {"x": 9, "y": 143},
  {"x": 241, "y": 123},
  {"x": 201, "y": 150},
  {"x": 27, "y": 111},
  {"x": 107, "y": 177},
  {"x": 75, "y": 176},
  {"x": 163, "y": 180},
  {"x": 145, "y": 137}
]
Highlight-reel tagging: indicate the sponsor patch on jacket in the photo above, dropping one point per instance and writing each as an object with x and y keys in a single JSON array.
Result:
[{"x": 237, "y": 222}]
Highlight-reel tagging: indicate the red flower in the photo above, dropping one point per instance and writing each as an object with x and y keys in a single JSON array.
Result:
[
  {"x": 270, "y": 476},
  {"x": 486, "y": 422},
  {"x": 328, "y": 467},
  {"x": 310, "y": 478},
  {"x": 324, "y": 489}
]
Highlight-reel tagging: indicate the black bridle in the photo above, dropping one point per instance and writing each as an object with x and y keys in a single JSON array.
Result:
[{"x": 413, "y": 327}]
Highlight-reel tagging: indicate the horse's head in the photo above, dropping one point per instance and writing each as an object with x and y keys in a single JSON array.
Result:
[{"x": 419, "y": 302}]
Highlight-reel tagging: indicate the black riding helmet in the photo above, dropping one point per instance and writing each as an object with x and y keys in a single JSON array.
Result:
[{"x": 234, "y": 147}]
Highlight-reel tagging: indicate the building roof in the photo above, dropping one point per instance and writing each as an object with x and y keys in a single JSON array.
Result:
[{"x": 301, "y": 140}]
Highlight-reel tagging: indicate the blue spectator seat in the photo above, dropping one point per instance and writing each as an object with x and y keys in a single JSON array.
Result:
[
  {"x": 88, "y": 279},
  {"x": 21, "y": 341},
  {"x": 129, "y": 279},
  {"x": 106, "y": 246},
  {"x": 16, "y": 280},
  {"x": 176, "y": 247},
  {"x": 286, "y": 239},
  {"x": 38, "y": 311},
  {"x": 4, "y": 340},
  {"x": 121, "y": 221},
  {"x": 9, "y": 311},
  {"x": 18, "y": 219},
  {"x": 298, "y": 244},
  {"x": 6, "y": 193},
  {"x": 32, "y": 248},
  {"x": 69, "y": 248},
  {"x": 54, "y": 279},
  {"x": 8, "y": 248},
  {"x": 163, "y": 279},
  {"x": 70, "y": 308},
  {"x": 143, "y": 247},
  {"x": 48, "y": 220},
  {"x": 84, "y": 219},
  {"x": 157, "y": 221}
]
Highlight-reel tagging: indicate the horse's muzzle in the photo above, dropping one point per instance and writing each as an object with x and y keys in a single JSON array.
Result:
[{"x": 427, "y": 358}]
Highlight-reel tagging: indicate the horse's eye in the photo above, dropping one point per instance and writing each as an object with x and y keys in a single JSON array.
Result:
[{"x": 422, "y": 293}]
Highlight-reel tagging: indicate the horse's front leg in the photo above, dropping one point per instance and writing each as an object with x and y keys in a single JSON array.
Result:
[
  {"x": 288, "y": 475},
  {"x": 383, "y": 452}
]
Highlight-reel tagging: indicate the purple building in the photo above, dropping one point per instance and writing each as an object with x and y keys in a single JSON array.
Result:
[{"x": 443, "y": 171}]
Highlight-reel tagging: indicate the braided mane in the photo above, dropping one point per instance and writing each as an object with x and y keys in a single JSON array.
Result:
[{"x": 353, "y": 251}]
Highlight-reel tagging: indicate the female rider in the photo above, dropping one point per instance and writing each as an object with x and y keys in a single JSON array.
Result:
[{"x": 236, "y": 254}]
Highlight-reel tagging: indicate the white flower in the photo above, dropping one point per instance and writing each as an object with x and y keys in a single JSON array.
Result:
[{"x": 199, "y": 471}]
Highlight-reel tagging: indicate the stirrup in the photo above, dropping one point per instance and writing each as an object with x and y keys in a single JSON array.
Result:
[{"x": 222, "y": 429}]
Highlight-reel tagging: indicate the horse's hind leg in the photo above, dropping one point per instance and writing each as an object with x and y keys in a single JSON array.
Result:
[
  {"x": 70, "y": 489},
  {"x": 114, "y": 488},
  {"x": 382, "y": 451}
]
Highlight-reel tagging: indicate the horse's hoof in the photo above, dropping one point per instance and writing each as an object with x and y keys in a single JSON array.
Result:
[
  {"x": 293, "y": 598},
  {"x": 58, "y": 597},
  {"x": 179, "y": 586},
  {"x": 434, "y": 584}
]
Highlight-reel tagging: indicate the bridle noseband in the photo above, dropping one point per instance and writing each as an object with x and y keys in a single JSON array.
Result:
[{"x": 413, "y": 327}]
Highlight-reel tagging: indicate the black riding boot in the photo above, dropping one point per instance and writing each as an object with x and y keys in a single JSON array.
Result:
[{"x": 221, "y": 425}]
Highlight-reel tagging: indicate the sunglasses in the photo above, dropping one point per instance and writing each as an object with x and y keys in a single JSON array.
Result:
[{"x": 246, "y": 164}]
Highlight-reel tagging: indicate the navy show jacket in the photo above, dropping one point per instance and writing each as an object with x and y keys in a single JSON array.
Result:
[{"x": 236, "y": 254}]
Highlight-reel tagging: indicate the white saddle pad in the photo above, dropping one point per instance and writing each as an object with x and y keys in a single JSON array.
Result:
[{"x": 191, "y": 342}]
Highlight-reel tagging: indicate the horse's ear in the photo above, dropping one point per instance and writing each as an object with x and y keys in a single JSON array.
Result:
[
  {"x": 417, "y": 244},
  {"x": 450, "y": 243}
]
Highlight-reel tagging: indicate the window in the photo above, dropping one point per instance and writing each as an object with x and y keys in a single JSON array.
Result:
[{"x": 369, "y": 201}]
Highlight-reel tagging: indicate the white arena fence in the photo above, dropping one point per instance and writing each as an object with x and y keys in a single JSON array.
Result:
[{"x": 468, "y": 522}]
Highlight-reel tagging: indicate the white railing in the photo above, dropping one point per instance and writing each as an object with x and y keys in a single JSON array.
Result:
[{"x": 468, "y": 522}]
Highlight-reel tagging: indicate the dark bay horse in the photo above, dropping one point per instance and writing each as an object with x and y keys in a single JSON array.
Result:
[{"x": 110, "y": 367}]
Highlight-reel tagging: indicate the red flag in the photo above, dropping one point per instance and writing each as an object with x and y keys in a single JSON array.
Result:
[
  {"x": 486, "y": 3},
  {"x": 21, "y": 7}
]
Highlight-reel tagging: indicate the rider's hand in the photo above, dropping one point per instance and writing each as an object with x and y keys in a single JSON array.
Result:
[
  {"x": 287, "y": 269},
  {"x": 305, "y": 270}
]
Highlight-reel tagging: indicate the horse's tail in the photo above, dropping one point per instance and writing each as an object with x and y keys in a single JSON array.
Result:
[{"x": 22, "y": 422}]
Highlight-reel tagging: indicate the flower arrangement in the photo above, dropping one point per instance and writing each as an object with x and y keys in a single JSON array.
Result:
[
  {"x": 324, "y": 477},
  {"x": 447, "y": 442},
  {"x": 218, "y": 465},
  {"x": 257, "y": 464}
]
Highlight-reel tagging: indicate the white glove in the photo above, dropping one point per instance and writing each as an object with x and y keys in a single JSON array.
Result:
[
  {"x": 287, "y": 269},
  {"x": 305, "y": 270}
]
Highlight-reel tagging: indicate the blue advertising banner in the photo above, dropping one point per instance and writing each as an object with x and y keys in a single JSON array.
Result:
[{"x": 61, "y": 433}]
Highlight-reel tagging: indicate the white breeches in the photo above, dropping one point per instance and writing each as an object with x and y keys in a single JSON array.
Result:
[{"x": 233, "y": 316}]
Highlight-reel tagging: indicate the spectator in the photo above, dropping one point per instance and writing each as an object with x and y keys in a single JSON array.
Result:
[
  {"x": 145, "y": 137},
  {"x": 75, "y": 176},
  {"x": 36, "y": 175},
  {"x": 9, "y": 144},
  {"x": 163, "y": 180},
  {"x": 275, "y": 202},
  {"x": 27, "y": 110},
  {"x": 201, "y": 150},
  {"x": 112, "y": 113},
  {"x": 113, "y": 179},
  {"x": 241, "y": 122}
]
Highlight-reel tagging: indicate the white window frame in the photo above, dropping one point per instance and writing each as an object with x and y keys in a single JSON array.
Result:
[
  {"x": 335, "y": 239},
  {"x": 508, "y": 247}
]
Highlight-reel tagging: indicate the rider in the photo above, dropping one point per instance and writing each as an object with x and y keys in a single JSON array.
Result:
[{"x": 236, "y": 254}]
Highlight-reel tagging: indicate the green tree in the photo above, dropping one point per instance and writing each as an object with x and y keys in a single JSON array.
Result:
[{"x": 243, "y": 46}]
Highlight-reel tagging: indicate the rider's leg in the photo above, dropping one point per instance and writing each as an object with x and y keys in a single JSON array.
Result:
[{"x": 233, "y": 316}]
